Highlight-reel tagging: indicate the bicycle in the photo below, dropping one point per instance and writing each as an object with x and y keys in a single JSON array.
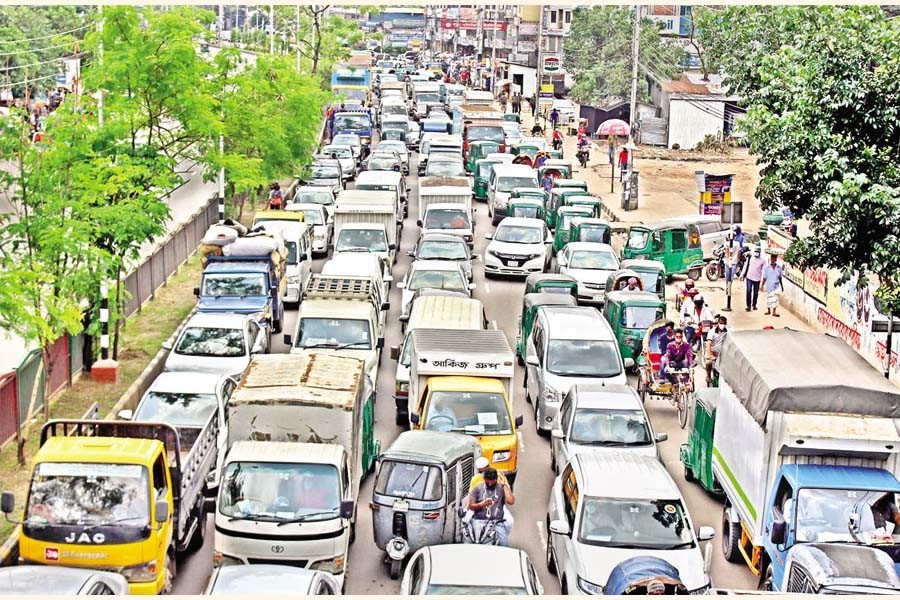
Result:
[{"x": 680, "y": 396}]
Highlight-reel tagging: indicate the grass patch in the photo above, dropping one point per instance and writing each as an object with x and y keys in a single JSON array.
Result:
[{"x": 141, "y": 337}]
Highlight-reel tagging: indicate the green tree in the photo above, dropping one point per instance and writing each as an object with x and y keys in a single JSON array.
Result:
[
  {"x": 598, "y": 52},
  {"x": 823, "y": 89}
]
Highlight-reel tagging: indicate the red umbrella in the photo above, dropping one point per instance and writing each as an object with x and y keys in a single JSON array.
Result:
[{"x": 615, "y": 127}]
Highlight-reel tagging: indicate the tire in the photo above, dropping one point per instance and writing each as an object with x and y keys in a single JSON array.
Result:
[
  {"x": 171, "y": 572},
  {"x": 688, "y": 474},
  {"x": 551, "y": 562},
  {"x": 712, "y": 271},
  {"x": 731, "y": 540},
  {"x": 683, "y": 410},
  {"x": 553, "y": 466},
  {"x": 765, "y": 582},
  {"x": 199, "y": 537},
  {"x": 520, "y": 361},
  {"x": 642, "y": 390},
  {"x": 695, "y": 273},
  {"x": 401, "y": 420},
  {"x": 395, "y": 568}
]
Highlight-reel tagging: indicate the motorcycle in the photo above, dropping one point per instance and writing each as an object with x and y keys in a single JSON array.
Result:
[
  {"x": 716, "y": 267},
  {"x": 696, "y": 333},
  {"x": 582, "y": 155},
  {"x": 485, "y": 534}
]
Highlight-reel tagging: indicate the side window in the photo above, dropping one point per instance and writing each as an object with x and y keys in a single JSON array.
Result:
[
  {"x": 706, "y": 228},
  {"x": 564, "y": 413},
  {"x": 533, "y": 580},
  {"x": 422, "y": 403},
  {"x": 658, "y": 243},
  {"x": 538, "y": 338},
  {"x": 679, "y": 240},
  {"x": 570, "y": 495},
  {"x": 252, "y": 333},
  {"x": 160, "y": 477},
  {"x": 323, "y": 589},
  {"x": 452, "y": 472},
  {"x": 783, "y": 501},
  {"x": 101, "y": 589}
]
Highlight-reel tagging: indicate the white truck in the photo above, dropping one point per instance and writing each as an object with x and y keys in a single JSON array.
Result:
[
  {"x": 444, "y": 190},
  {"x": 300, "y": 442},
  {"x": 805, "y": 447},
  {"x": 462, "y": 381},
  {"x": 366, "y": 221},
  {"x": 344, "y": 316}
]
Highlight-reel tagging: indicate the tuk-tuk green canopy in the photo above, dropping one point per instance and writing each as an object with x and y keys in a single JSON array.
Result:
[
  {"x": 787, "y": 370},
  {"x": 544, "y": 299},
  {"x": 535, "y": 280}
]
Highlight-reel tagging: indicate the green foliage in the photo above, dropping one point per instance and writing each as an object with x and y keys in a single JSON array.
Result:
[
  {"x": 823, "y": 89},
  {"x": 598, "y": 52}
]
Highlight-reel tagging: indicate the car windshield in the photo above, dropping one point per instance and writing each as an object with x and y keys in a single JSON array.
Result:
[
  {"x": 593, "y": 259},
  {"x": 339, "y": 333},
  {"x": 641, "y": 317},
  {"x": 823, "y": 515},
  {"x": 486, "y": 132},
  {"x": 85, "y": 494},
  {"x": 211, "y": 341},
  {"x": 313, "y": 197},
  {"x": 325, "y": 172},
  {"x": 473, "y": 590},
  {"x": 508, "y": 184},
  {"x": 313, "y": 217},
  {"x": 429, "y": 250},
  {"x": 445, "y": 168},
  {"x": 360, "y": 121},
  {"x": 593, "y": 233},
  {"x": 398, "y": 147},
  {"x": 340, "y": 151},
  {"x": 409, "y": 480},
  {"x": 179, "y": 409},
  {"x": 396, "y": 124},
  {"x": 484, "y": 170},
  {"x": 472, "y": 413},
  {"x": 382, "y": 164},
  {"x": 370, "y": 240},
  {"x": 346, "y": 140},
  {"x": 583, "y": 358},
  {"x": 637, "y": 239},
  {"x": 358, "y": 95},
  {"x": 428, "y": 97},
  {"x": 446, "y": 218},
  {"x": 527, "y": 211},
  {"x": 263, "y": 491},
  {"x": 601, "y": 427},
  {"x": 623, "y": 523},
  {"x": 442, "y": 280},
  {"x": 291, "y": 248},
  {"x": 234, "y": 284},
  {"x": 393, "y": 109},
  {"x": 518, "y": 234}
]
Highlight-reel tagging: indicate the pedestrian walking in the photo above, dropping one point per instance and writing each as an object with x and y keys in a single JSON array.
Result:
[
  {"x": 517, "y": 103},
  {"x": 276, "y": 197},
  {"x": 503, "y": 102},
  {"x": 752, "y": 275},
  {"x": 554, "y": 118},
  {"x": 771, "y": 284},
  {"x": 623, "y": 159}
]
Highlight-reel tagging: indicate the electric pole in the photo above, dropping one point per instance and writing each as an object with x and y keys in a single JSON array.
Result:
[
  {"x": 635, "y": 51},
  {"x": 494, "y": 50},
  {"x": 539, "y": 70}
]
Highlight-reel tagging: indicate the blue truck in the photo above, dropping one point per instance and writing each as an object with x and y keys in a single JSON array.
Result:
[
  {"x": 251, "y": 285},
  {"x": 353, "y": 121},
  {"x": 805, "y": 447}
]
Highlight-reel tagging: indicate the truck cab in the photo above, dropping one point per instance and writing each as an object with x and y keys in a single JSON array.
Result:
[
  {"x": 248, "y": 285},
  {"x": 365, "y": 237}
]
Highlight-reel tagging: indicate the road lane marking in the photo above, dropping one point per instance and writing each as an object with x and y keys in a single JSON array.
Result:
[
  {"x": 521, "y": 441},
  {"x": 487, "y": 287},
  {"x": 494, "y": 324},
  {"x": 542, "y": 535}
]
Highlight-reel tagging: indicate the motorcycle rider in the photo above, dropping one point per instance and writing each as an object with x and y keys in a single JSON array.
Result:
[
  {"x": 557, "y": 139},
  {"x": 488, "y": 501},
  {"x": 582, "y": 153},
  {"x": 714, "y": 345},
  {"x": 688, "y": 291},
  {"x": 696, "y": 311}
]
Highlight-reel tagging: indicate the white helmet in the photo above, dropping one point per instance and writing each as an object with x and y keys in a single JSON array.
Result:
[{"x": 482, "y": 463}]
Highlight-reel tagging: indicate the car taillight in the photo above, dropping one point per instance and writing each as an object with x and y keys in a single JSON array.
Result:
[{"x": 431, "y": 516}]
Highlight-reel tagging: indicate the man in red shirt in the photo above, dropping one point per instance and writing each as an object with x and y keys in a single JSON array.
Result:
[{"x": 623, "y": 160}]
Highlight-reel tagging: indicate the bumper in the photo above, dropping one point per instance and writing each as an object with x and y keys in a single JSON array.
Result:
[
  {"x": 590, "y": 296},
  {"x": 546, "y": 412},
  {"x": 524, "y": 268}
]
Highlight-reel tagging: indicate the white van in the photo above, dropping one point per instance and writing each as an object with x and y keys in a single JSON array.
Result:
[
  {"x": 386, "y": 181},
  {"x": 298, "y": 242},
  {"x": 504, "y": 179},
  {"x": 568, "y": 345}
]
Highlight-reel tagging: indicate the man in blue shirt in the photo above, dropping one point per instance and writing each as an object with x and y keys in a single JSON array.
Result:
[{"x": 771, "y": 284}]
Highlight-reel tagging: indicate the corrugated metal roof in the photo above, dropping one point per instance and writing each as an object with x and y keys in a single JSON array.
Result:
[
  {"x": 489, "y": 341},
  {"x": 841, "y": 477},
  {"x": 287, "y": 452},
  {"x": 435, "y": 445}
]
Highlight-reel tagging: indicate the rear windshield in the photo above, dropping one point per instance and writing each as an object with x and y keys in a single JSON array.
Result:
[
  {"x": 409, "y": 480},
  {"x": 486, "y": 132}
]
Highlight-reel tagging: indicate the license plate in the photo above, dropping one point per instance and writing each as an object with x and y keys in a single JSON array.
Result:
[
  {"x": 514, "y": 263},
  {"x": 598, "y": 297},
  {"x": 401, "y": 506}
]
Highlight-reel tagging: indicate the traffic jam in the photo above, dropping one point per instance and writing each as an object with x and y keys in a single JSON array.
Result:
[{"x": 432, "y": 366}]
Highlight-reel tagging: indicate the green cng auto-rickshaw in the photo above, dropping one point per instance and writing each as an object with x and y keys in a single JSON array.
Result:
[
  {"x": 557, "y": 200},
  {"x": 529, "y": 208},
  {"x": 478, "y": 150},
  {"x": 513, "y": 117},
  {"x": 586, "y": 200},
  {"x": 652, "y": 274},
  {"x": 630, "y": 314},
  {"x": 560, "y": 169},
  {"x": 535, "y": 193},
  {"x": 551, "y": 283},
  {"x": 675, "y": 245},
  {"x": 482, "y": 177},
  {"x": 618, "y": 280},
  {"x": 530, "y": 304},
  {"x": 589, "y": 229},
  {"x": 527, "y": 148},
  {"x": 577, "y": 184},
  {"x": 564, "y": 216},
  {"x": 697, "y": 453}
]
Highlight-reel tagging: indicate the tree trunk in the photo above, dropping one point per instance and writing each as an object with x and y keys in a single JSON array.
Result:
[
  {"x": 48, "y": 369},
  {"x": 26, "y": 429}
]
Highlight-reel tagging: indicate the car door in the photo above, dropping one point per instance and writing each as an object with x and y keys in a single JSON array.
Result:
[
  {"x": 565, "y": 504},
  {"x": 534, "y": 347},
  {"x": 558, "y": 440}
]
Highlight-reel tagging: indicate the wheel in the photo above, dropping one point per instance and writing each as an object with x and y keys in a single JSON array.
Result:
[
  {"x": 695, "y": 273},
  {"x": 395, "y": 568},
  {"x": 731, "y": 539},
  {"x": 688, "y": 474},
  {"x": 551, "y": 563},
  {"x": 199, "y": 537},
  {"x": 519, "y": 360},
  {"x": 401, "y": 420},
  {"x": 352, "y": 537},
  {"x": 553, "y": 466},
  {"x": 765, "y": 582},
  {"x": 712, "y": 271},
  {"x": 643, "y": 389},
  {"x": 682, "y": 407}
]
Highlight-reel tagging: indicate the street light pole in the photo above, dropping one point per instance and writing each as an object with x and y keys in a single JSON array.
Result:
[
  {"x": 494, "y": 51},
  {"x": 635, "y": 51},
  {"x": 539, "y": 70}
]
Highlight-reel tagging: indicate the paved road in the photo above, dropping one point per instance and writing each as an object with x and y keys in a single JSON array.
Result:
[{"x": 502, "y": 298}]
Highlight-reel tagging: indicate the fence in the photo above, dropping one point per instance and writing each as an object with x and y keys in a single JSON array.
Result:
[{"x": 67, "y": 353}]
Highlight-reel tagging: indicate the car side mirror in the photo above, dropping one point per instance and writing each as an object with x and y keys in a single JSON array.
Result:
[
  {"x": 162, "y": 511},
  {"x": 401, "y": 285},
  {"x": 559, "y": 527},
  {"x": 706, "y": 533},
  {"x": 661, "y": 437},
  {"x": 475, "y": 257},
  {"x": 392, "y": 246},
  {"x": 257, "y": 346},
  {"x": 125, "y": 414},
  {"x": 472, "y": 286},
  {"x": 411, "y": 253},
  {"x": 414, "y": 418},
  {"x": 520, "y": 420},
  {"x": 347, "y": 509},
  {"x": 287, "y": 339},
  {"x": 629, "y": 363},
  {"x": 419, "y": 222},
  {"x": 7, "y": 502},
  {"x": 388, "y": 278},
  {"x": 167, "y": 345},
  {"x": 779, "y": 532},
  {"x": 197, "y": 292},
  {"x": 395, "y": 352},
  {"x": 561, "y": 261}
]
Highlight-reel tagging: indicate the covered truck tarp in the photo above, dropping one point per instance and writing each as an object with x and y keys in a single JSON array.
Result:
[{"x": 796, "y": 371}]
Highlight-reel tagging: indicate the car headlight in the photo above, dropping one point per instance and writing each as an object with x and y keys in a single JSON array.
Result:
[
  {"x": 589, "y": 588},
  {"x": 223, "y": 560},
  {"x": 293, "y": 280},
  {"x": 335, "y": 565},
  {"x": 403, "y": 387},
  {"x": 141, "y": 573},
  {"x": 501, "y": 456},
  {"x": 550, "y": 395}
]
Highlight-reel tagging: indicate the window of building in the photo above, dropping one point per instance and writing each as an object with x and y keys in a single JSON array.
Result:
[
  {"x": 568, "y": 16},
  {"x": 553, "y": 14}
]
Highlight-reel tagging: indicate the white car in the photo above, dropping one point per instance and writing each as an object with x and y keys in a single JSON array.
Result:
[
  {"x": 432, "y": 274},
  {"x": 605, "y": 508},
  {"x": 344, "y": 155},
  {"x": 590, "y": 263},
  {"x": 351, "y": 140},
  {"x": 316, "y": 195},
  {"x": 322, "y": 224},
  {"x": 271, "y": 580},
  {"x": 218, "y": 343},
  {"x": 566, "y": 110},
  {"x": 398, "y": 147},
  {"x": 512, "y": 132},
  {"x": 601, "y": 418},
  {"x": 470, "y": 569},
  {"x": 519, "y": 246},
  {"x": 53, "y": 580}
]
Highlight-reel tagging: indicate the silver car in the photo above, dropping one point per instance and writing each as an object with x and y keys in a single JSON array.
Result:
[
  {"x": 590, "y": 263},
  {"x": 344, "y": 155},
  {"x": 434, "y": 274},
  {"x": 271, "y": 580},
  {"x": 47, "y": 580},
  {"x": 220, "y": 343},
  {"x": 322, "y": 224},
  {"x": 470, "y": 569},
  {"x": 398, "y": 147},
  {"x": 441, "y": 246}
]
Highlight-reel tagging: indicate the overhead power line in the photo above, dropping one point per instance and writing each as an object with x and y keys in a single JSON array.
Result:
[
  {"x": 29, "y": 65},
  {"x": 35, "y": 50},
  {"x": 44, "y": 37}
]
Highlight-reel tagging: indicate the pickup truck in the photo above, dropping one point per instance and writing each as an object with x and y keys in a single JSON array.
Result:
[
  {"x": 805, "y": 447},
  {"x": 118, "y": 495}
]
